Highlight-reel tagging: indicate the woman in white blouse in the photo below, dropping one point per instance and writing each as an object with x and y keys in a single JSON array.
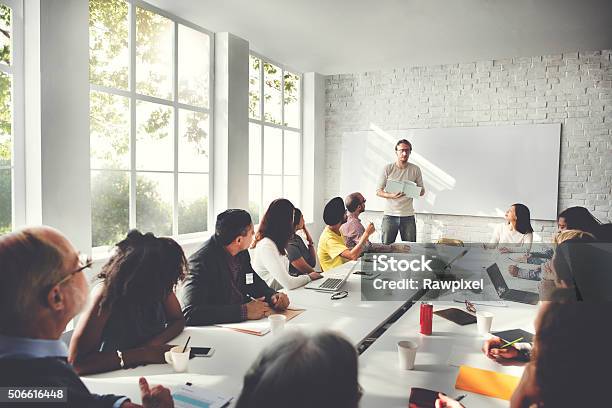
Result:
[
  {"x": 269, "y": 255},
  {"x": 516, "y": 233}
]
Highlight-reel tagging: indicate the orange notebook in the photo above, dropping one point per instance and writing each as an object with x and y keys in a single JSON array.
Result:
[{"x": 485, "y": 382}]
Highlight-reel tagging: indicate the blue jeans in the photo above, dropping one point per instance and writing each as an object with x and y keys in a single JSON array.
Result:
[{"x": 405, "y": 225}]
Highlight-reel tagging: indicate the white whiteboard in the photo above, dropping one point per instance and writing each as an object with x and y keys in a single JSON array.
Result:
[{"x": 477, "y": 171}]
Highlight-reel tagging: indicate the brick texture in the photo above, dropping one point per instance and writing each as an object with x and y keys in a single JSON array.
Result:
[{"x": 574, "y": 89}]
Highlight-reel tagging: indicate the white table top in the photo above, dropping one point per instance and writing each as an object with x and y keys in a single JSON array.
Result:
[{"x": 384, "y": 383}]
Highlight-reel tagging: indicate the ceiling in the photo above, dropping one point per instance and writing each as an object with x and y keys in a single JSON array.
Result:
[{"x": 343, "y": 36}]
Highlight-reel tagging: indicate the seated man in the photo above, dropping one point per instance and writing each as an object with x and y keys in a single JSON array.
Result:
[
  {"x": 353, "y": 229},
  {"x": 221, "y": 286},
  {"x": 332, "y": 251},
  {"x": 42, "y": 288}
]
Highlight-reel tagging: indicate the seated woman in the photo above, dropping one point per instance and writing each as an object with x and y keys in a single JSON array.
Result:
[
  {"x": 564, "y": 343},
  {"x": 516, "y": 233},
  {"x": 544, "y": 272},
  {"x": 270, "y": 248},
  {"x": 133, "y": 312},
  {"x": 303, "y": 258},
  {"x": 303, "y": 371}
]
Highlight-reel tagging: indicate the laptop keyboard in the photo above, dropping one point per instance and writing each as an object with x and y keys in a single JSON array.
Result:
[{"x": 330, "y": 283}]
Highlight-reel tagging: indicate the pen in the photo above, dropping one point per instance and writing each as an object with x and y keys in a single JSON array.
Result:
[
  {"x": 511, "y": 343},
  {"x": 460, "y": 397},
  {"x": 186, "y": 343}
]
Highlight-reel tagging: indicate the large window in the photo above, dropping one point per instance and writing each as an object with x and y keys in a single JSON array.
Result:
[
  {"x": 150, "y": 110},
  {"x": 275, "y": 135},
  {"x": 11, "y": 125}
]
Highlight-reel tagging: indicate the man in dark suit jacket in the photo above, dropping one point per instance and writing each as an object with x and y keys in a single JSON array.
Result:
[
  {"x": 42, "y": 288},
  {"x": 222, "y": 287}
]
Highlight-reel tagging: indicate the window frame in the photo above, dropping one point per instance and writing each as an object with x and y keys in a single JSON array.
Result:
[
  {"x": 16, "y": 71},
  {"x": 133, "y": 97},
  {"x": 261, "y": 122}
]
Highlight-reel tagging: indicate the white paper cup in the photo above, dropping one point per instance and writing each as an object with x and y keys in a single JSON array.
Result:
[
  {"x": 406, "y": 352},
  {"x": 177, "y": 359},
  {"x": 277, "y": 323},
  {"x": 484, "y": 320}
]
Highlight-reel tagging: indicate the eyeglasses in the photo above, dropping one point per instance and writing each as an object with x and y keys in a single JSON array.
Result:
[
  {"x": 403, "y": 150},
  {"x": 85, "y": 262},
  {"x": 339, "y": 295},
  {"x": 470, "y": 306}
]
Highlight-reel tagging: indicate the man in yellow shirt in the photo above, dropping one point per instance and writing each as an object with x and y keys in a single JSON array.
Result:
[{"x": 332, "y": 251}]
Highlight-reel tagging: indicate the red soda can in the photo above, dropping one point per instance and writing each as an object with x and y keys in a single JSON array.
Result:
[{"x": 426, "y": 318}]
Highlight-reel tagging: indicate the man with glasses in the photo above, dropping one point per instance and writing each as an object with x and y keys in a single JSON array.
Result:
[
  {"x": 42, "y": 288},
  {"x": 399, "y": 212}
]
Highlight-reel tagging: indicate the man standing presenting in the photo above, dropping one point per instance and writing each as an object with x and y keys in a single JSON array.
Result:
[{"x": 399, "y": 212}]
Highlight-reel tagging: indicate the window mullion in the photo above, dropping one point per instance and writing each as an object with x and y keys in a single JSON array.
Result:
[
  {"x": 132, "y": 68},
  {"x": 282, "y": 94},
  {"x": 175, "y": 205}
]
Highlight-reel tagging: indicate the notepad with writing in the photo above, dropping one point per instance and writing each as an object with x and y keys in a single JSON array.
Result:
[
  {"x": 260, "y": 327},
  {"x": 485, "y": 382}
]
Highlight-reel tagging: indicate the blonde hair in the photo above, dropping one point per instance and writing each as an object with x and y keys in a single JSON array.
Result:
[
  {"x": 563, "y": 236},
  {"x": 28, "y": 265}
]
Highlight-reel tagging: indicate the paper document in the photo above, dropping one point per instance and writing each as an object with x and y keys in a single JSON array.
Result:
[
  {"x": 407, "y": 187},
  {"x": 189, "y": 396},
  {"x": 486, "y": 382},
  {"x": 262, "y": 326}
]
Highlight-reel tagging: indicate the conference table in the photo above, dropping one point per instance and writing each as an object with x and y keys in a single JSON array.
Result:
[{"x": 383, "y": 382}]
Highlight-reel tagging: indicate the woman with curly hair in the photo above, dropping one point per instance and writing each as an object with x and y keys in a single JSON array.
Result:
[{"x": 133, "y": 312}]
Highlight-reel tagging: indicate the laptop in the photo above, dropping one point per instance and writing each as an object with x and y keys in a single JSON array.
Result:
[
  {"x": 331, "y": 282},
  {"x": 505, "y": 293}
]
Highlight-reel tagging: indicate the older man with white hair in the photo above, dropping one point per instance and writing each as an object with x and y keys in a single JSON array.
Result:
[{"x": 42, "y": 288}]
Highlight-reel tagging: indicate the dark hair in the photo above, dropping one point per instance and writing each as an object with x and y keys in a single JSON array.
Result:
[
  {"x": 277, "y": 224},
  {"x": 326, "y": 362},
  {"x": 584, "y": 265},
  {"x": 231, "y": 223},
  {"x": 565, "y": 355},
  {"x": 523, "y": 218},
  {"x": 297, "y": 217},
  {"x": 352, "y": 201},
  {"x": 403, "y": 141},
  {"x": 580, "y": 218},
  {"x": 334, "y": 211},
  {"x": 143, "y": 269}
]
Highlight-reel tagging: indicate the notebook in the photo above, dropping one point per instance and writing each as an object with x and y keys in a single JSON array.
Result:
[
  {"x": 511, "y": 335},
  {"x": 485, "y": 382},
  {"x": 259, "y": 327},
  {"x": 455, "y": 315}
]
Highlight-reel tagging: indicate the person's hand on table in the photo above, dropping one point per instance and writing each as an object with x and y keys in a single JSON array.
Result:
[
  {"x": 280, "y": 301},
  {"x": 258, "y": 308},
  {"x": 444, "y": 401},
  {"x": 504, "y": 356},
  {"x": 154, "y": 354},
  {"x": 315, "y": 275},
  {"x": 513, "y": 270},
  {"x": 156, "y": 397},
  {"x": 504, "y": 250}
]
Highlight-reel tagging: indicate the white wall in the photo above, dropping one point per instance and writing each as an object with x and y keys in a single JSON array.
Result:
[{"x": 574, "y": 89}]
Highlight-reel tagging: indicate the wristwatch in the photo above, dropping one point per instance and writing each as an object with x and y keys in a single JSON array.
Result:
[{"x": 121, "y": 362}]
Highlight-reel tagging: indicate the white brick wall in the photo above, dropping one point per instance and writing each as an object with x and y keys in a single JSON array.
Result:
[{"x": 574, "y": 89}]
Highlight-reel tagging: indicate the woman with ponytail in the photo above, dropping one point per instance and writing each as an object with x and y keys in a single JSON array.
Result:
[{"x": 133, "y": 312}]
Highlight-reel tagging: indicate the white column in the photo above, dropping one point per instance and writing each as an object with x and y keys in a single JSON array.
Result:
[
  {"x": 231, "y": 124},
  {"x": 57, "y": 117},
  {"x": 313, "y": 184}
]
